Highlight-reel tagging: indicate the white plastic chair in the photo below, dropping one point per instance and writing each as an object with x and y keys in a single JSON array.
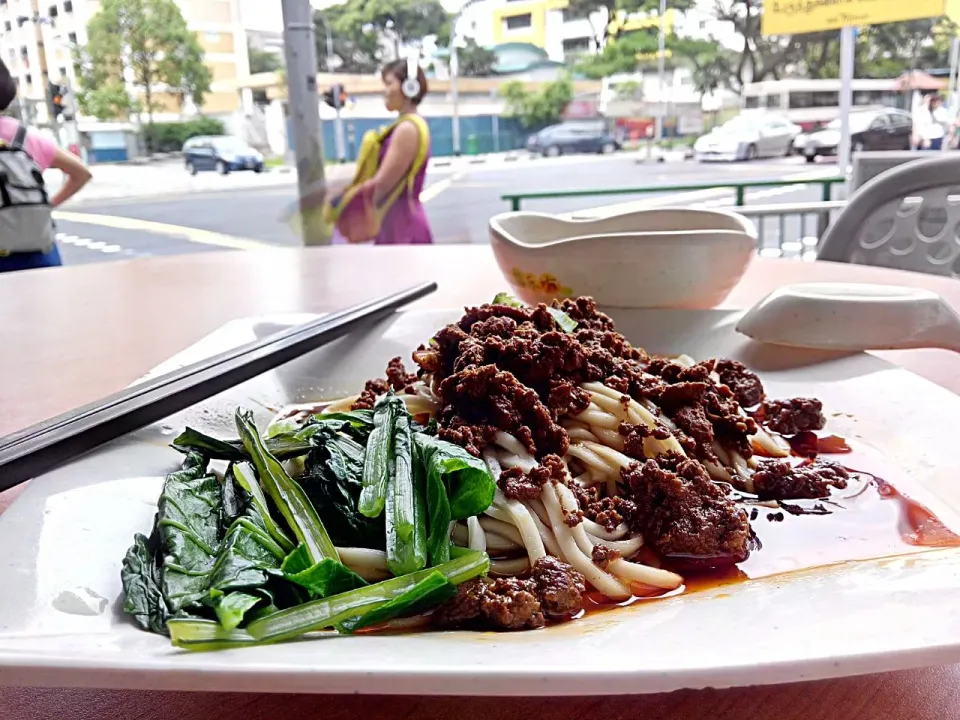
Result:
[{"x": 906, "y": 218}]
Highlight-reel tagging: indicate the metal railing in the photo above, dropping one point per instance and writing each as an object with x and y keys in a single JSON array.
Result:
[
  {"x": 739, "y": 188},
  {"x": 791, "y": 230}
]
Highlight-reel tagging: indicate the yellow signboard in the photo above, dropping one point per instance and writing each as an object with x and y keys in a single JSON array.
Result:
[{"x": 788, "y": 17}]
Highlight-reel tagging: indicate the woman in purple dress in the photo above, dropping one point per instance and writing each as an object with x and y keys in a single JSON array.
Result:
[{"x": 405, "y": 223}]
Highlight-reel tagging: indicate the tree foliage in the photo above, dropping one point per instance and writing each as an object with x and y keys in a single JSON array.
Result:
[
  {"x": 474, "y": 60},
  {"x": 537, "y": 108},
  {"x": 359, "y": 27},
  {"x": 885, "y": 50},
  {"x": 616, "y": 14},
  {"x": 263, "y": 61},
  {"x": 150, "y": 41},
  {"x": 623, "y": 54}
]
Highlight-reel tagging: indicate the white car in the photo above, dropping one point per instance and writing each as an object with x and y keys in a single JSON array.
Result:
[{"x": 748, "y": 137}]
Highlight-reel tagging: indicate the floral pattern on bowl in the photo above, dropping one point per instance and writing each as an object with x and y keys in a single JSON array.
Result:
[{"x": 546, "y": 283}]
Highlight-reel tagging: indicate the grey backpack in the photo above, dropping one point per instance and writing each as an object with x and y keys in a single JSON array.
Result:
[{"x": 26, "y": 219}]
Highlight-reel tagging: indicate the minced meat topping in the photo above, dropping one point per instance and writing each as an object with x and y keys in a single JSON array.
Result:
[
  {"x": 779, "y": 480},
  {"x": 789, "y": 417}
]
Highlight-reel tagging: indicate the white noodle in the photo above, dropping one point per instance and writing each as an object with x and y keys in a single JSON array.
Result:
[
  {"x": 598, "y": 466},
  {"x": 476, "y": 537},
  {"x": 519, "y": 515},
  {"x": 605, "y": 583},
  {"x": 598, "y": 530},
  {"x": 507, "y": 530},
  {"x": 645, "y": 575},
  {"x": 626, "y": 548},
  {"x": 369, "y": 564}
]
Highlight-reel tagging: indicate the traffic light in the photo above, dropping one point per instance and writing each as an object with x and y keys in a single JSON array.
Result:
[
  {"x": 335, "y": 97},
  {"x": 55, "y": 93}
]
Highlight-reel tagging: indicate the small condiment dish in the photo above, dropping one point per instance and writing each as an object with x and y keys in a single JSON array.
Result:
[
  {"x": 659, "y": 258},
  {"x": 852, "y": 317}
]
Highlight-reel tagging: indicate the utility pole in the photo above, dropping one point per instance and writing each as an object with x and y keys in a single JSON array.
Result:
[
  {"x": 301, "y": 54},
  {"x": 661, "y": 69},
  {"x": 454, "y": 96},
  {"x": 341, "y": 145}
]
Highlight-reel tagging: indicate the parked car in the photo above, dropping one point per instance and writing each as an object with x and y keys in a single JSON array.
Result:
[
  {"x": 221, "y": 153},
  {"x": 573, "y": 138},
  {"x": 883, "y": 129},
  {"x": 747, "y": 137}
]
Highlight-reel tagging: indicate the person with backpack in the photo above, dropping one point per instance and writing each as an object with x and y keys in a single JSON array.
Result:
[
  {"x": 382, "y": 203},
  {"x": 26, "y": 222}
]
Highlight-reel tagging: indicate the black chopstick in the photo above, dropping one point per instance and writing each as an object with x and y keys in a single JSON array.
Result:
[{"x": 47, "y": 445}]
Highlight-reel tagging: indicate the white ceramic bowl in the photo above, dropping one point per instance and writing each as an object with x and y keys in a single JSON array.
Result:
[{"x": 662, "y": 258}]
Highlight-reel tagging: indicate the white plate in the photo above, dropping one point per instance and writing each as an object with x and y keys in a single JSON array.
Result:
[{"x": 64, "y": 539}]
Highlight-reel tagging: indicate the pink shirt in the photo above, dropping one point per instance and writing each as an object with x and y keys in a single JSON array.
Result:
[{"x": 40, "y": 147}]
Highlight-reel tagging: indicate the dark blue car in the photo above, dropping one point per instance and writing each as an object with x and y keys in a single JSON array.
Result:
[
  {"x": 222, "y": 153},
  {"x": 573, "y": 137}
]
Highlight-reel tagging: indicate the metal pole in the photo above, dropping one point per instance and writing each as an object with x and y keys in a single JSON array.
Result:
[
  {"x": 338, "y": 127},
  {"x": 298, "y": 36},
  {"x": 661, "y": 69},
  {"x": 454, "y": 97},
  {"x": 846, "y": 96}
]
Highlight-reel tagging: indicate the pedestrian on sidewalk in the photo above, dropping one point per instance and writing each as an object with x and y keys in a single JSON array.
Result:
[
  {"x": 930, "y": 123},
  {"x": 382, "y": 204},
  {"x": 29, "y": 207}
]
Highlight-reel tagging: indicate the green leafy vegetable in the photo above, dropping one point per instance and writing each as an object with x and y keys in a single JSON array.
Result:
[
  {"x": 337, "y": 609},
  {"x": 334, "y": 480},
  {"x": 232, "y": 608},
  {"x": 458, "y": 486},
  {"x": 188, "y": 520},
  {"x": 243, "y": 474},
  {"x": 245, "y": 558},
  {"x": 283, "y": 446},
  {"x": 566, "y": 323},
  {"x": 198, "y": 635},
  {"x": 379, "y": 453},
  {"x": 142, "y": 597},
  {"x": 505, "y": 298},
  {"x": 406, "y": 511},
  {"x": 359, "y": 422},
  {"x": 325, "y": 578},
  {"x": 288, "y": 496},
  {"x": 433, "y": 590}
]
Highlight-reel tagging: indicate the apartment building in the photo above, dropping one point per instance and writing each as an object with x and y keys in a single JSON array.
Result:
[
  {"x": 36, "y": 37},
  {"x": 551, "y": 25}
]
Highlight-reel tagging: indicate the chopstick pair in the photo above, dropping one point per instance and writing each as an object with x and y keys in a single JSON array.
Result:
[{"x": 47, "y": 445}]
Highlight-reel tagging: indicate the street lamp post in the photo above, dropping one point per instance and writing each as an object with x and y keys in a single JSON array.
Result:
[
  {"x": 338, "y": 128},
  {"x": 454, "y": 72},
  {"x": 73, "y": 136},
  {"x": 661, "y": 68}
]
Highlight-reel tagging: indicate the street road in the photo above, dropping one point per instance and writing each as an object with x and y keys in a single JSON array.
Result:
[{"x": 459, "y": 199}]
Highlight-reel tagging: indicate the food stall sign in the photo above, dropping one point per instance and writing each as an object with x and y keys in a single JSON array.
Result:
[{"x": 790, "y": 17}]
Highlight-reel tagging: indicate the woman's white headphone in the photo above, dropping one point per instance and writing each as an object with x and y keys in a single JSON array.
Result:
[{"x": 411, "y": 86}]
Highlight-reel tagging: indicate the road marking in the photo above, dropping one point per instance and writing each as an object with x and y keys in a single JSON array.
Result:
[
  {"x": 194, "y": 235},
  {"x": 431, "y": 191}
]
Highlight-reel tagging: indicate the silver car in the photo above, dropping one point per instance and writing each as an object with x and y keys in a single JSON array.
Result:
[{"x": 747, "y": 137}]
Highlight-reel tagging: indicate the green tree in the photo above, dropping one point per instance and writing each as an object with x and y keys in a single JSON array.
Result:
[
  {"x": 148, "y": 38},
  {"x": 358, "y": 28},
  {"x": 537, "y": 108},
  {"x": 711, "y": 65},
  {"x": 617, "y": 13},
  {"x": 474, "y": 60},
  {"x": 884, "y": 51},
  {"x": 263, "y": 61},
  {"x": 623, "y": 54}
]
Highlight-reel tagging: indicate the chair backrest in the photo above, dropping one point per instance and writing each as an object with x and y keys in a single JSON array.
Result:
[
  {"x": 868, "y": 164},
  {"x": 906, "y": 218}
]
